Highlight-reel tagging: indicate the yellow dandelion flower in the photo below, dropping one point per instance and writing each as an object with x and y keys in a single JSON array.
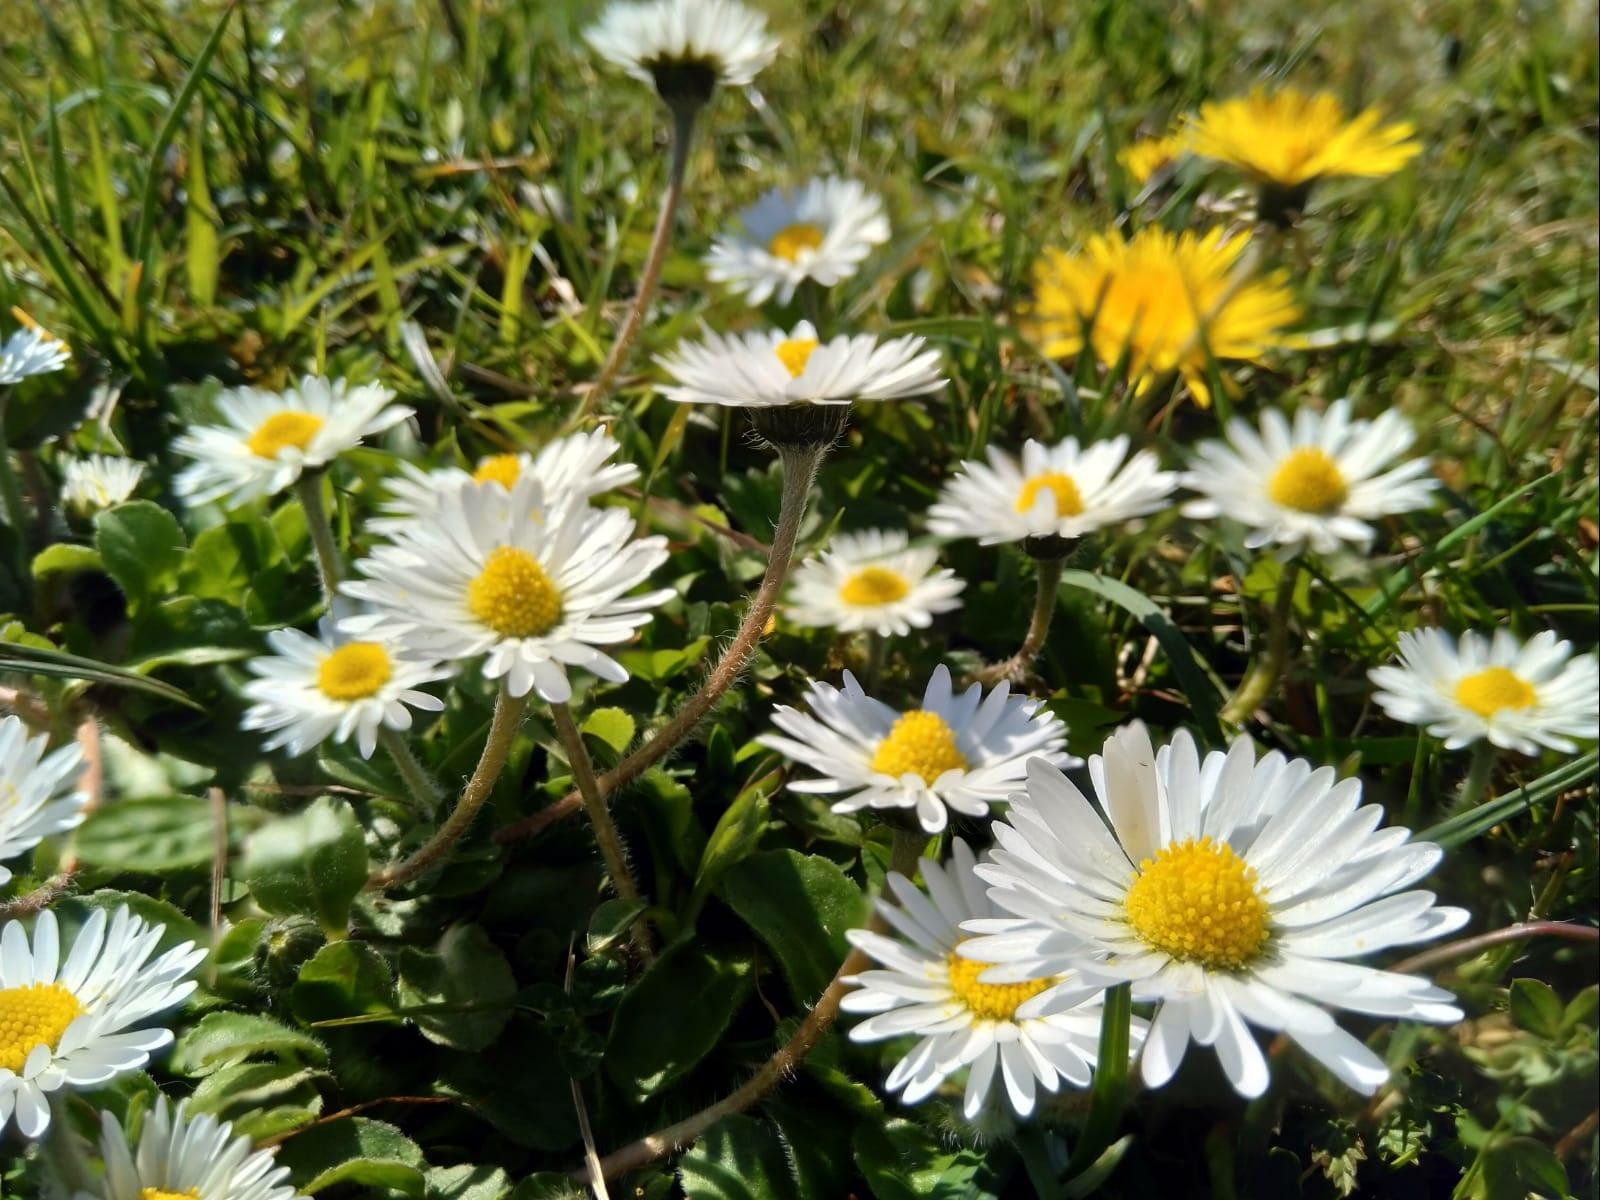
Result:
[{"x": 1145, "y": 157}]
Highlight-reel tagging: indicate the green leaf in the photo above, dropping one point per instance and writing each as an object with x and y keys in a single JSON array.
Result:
[
  {"x": 465, "y": 974},
  {"x": 467, "y": 1182},
  {"x": 221, "y": 1039},
  {"x": 142, "y": 546},
  {"x": 673, "y": 1016},
  {"x": 902, "y": 1161},
  {"x": 1463, "y": 827},
  {"x": 613, "y": 726},
  {"x": 157, "y": 834},
  {"x": 312, "y": 863},
  {"x": 736, "y": 834},
  {"x": 738, "y": 1158},
  {"x": 801, "y": 905},
  {"x": 37, "y": 660},
  {"x": 1536, "y": 1007},
  {"x": 355, "y": 1150},
  {"x": 611, "y": 921},
  {"x": 260, "y": 1098},
  {"x": 343, "y": 979},
  {"x": 65, "y": 558},
  {"x": 532, "y": 1105}
]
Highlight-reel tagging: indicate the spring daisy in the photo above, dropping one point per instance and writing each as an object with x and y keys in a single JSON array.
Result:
[
  {"x": 1038, "y": 1033},
  {"x": 822, "y": 230},
  {"x": 1229, "y": 891},
  {"x": 497, "y": 573},
  {"x": 180, "y": 1157},
  {"x": 267, "y": 439},
  {"x": 873, "y": 580},
  {"x": 1062, "y": 491},
  {"x": 1168, "y": 302},
  {"x": 1518, "y": 695},
  {"x": 685, "y": 48},
  {"x": 80, "y": 1022},
  {"x": 960, "y": 753},
  {"x": 99, "y": 481},
  {"x": 1147, "y": 156},
  {"x": 30, "y": 351},
  {"x": 1314, "y": 484},
  {"x": 37, "y": 798},
  {"x": 312, "y": 689}
]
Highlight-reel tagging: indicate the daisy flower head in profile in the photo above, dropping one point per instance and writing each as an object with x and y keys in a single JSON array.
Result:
[
  {"x": 1166, "y": 302},
  {"x": 873, "y": 581},
  {"x": 30, "y": 351},
  {"x": 1229, "y": 891},
  {"x": 1315, "y": 484},
  {"x": 267, "y": 439},
  {"x": 1039, "y": 1033},
  {"x": 531, "y": 586},
  {"x": 1516, "y": 695},
  {"x": 38, "y": 797},
  {"x": 1062, "y": 491},
  {"x": 182, "y": 1156},
  {"x": 954, "y": 753},
  {"x": 684, "y": 48},
  {"x": 822, "y": 231},
  {"x": 79, "y": 1021},
  {"x": 99, "y": 481}
]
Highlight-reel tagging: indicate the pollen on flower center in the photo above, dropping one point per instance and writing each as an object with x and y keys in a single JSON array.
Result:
[
  {"x": 499, "y": 468},
  {"x": 282, "y": 431},
  {"x": 872, "y": 586},
  {"x": 1309, "y": 481},
  {"x": 793, "y": 240},
  {"x": 1198, "y": 902},
  {"x": 1069, "y": 500},
  {"x": 513, "y": 596},
  {"x": 36, "y": 1014},
  {"x": 354, "y": 671},
  {"x": 151, "y": 1193},
  {"x": 1488, "y": 691},
  {"x": 920, "y": 743},
  {"x": 794, "y": 353},
  {"x": 991, "y": 1001}
]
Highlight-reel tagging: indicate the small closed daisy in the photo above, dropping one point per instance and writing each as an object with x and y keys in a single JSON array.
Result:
[
  {"x": 1041, "y": 1033},
  {"x": 312, "y": 689},
  {"x": 955, "y": 753},
  {"x": 1164, "y": 302},
  {"x": 37, "y": 794},
  {"x": 99, "y": 481},
  {"x": 267, "y": 439},
  {"x": 183, "y": 1157},
  {"x": 1517, "y": 695},
  {"x": 30, "y": 351},
  {"x": 822, "y": 231},
  {"x": 684, "y": 48},
  {"x": 81, "y": 1021},
  {"x": 1228, "y": 891},
  {"x": 1315, "y": 484},
  {"x": 1065, "y": 491},
  {"x": 873, "y": 581},
  {"x": 532, "y": 589}
]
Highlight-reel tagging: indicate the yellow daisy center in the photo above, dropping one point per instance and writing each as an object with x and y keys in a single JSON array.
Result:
[
  {"x": 150, "y": 1193},
  {"x": 920, "y": 743},
  {"x": 1199, "y": 902},
  {"x": 790, "y": 241},
  {"x": 283, "y": 430},
  {"x": 794, "y": 353},
  {"x": 1069, "y": 500},
  {"x": 872, "y": 586},
  {"x": 991, "y": 1001},
  {"x": 354, "y": 671},
  {"x": 1488, "y": 691},
  {"x": 499, "y": 468},
  {"x": 513, "y": 596},
  {"x": 1309, "y": 481},
  {"x": 36, "y": 1014}
]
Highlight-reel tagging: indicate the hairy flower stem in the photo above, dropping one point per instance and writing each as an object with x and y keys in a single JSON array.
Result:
[
  {"x": 612, "y": 849},
  {"x": 330, "y": 565},
  {"x": 63, "y": 1151},
  {"x": 908, "y": 844},
  {"x": 503, "y": 726},
  {"x": 421, "y": 786},
  {"x": 1016, "y": 668},
  {"x": 1264, "y": 674},
  {"x": 1476, "y": 782},
  {"x": 799, "y": 469}
]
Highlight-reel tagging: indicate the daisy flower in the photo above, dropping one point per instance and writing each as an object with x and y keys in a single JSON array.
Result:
[
  {"x": 1314, "y": 484},
  {"x": 1063, "y": 491},
  {"x": 822, "y": 230},
  {"x": 1168, "y": 302},
  {"x": 685, "y": 48},
  {"x": 954, "y": 753},
  {"x": 179, "y": 1156},
  {"x": 1230, "y": 892},
  {"x": 1039, "y": 1033},
  {"x": 30, "y": 351},
  {"x": 267, "y": 439},
  {"x": 1144, "y": 158},
  {"x": 875, "y": 581},
  {"x": 312, "y": 689},
  {"x": 99, "y": 481},
  {"x": 80, "y": 1022},
  {"x": 532, "y": 588},
  {"x": 37, "y": 798},
  {"x": 1518, "y": 695}
]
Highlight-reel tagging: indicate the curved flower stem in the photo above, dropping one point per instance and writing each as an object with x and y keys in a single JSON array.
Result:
[
  {"x": 1466, "y": 947},
  {"x": 683, "y": 118},
  {"x": 1264, "y": 674},
  {"x": 41, "y": 898},
  {"x": 503, "y": 726},
  {"x": 1016, "y": 668},
  {"x": 421, "y": 786},
  {"x": 907, "y": 846},
  {"x": 330, "y": 567},
  {"x": 799, "y": 469}
]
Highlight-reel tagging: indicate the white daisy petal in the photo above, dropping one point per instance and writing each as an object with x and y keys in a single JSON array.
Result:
[{"x": 822, "y": 231}]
